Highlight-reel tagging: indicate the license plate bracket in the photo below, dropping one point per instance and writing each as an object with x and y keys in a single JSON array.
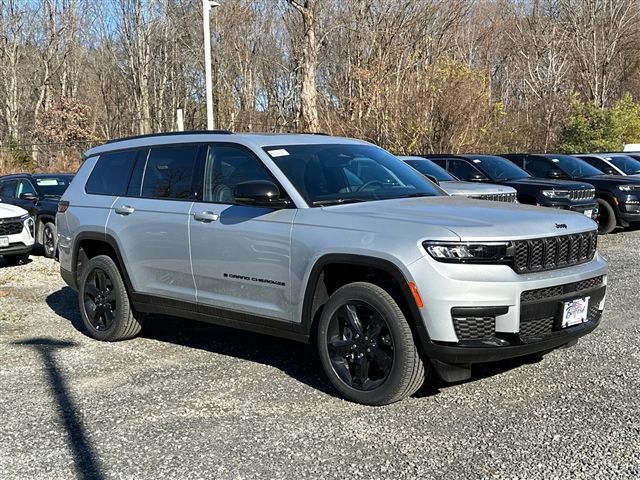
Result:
[
  {"x": 574, "y": 312},
  {"x": 4, "y": 242}
]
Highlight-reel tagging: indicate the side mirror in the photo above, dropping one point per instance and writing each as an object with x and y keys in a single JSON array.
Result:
[
  {"x": 259, "y": 193},
  {"x": 433, "y": 179},
  {"x": 476, "y": 177},
  {"x": 28, "y": 196},
  {"x": 555, "y": 173}
]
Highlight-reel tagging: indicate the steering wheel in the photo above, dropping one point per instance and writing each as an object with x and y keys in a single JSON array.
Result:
[{"x": 368, "y": 184}]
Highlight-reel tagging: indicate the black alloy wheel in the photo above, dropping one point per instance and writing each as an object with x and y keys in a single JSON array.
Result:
[
  {"x": 606, "y": 218},
  {"x": 360, "y": 346},
  {"x": 100, "y": 301},
  {"x": 366, "y": 346},
  {"x": 50, "y": 240}
]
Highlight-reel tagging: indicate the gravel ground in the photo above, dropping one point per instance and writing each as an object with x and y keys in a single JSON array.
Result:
[{"x": 189, "y": 400}]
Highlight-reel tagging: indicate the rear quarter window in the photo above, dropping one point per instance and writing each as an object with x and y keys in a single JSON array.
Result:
[{"x": 110, "y": 176}]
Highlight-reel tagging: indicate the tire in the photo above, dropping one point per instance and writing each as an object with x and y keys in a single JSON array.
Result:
[
  {"x": 105, "y": 308},
  {"x": 606, "y": 217},
  {"x": 50, "y": 240},
  {"x": 13, "y": 260},
  {"x": 366, "y": 346}
]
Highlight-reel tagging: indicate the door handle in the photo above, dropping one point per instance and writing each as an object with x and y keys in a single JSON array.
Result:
[
  {"x": 125, "y": 210},
  {"x": 205, "y": 217}
]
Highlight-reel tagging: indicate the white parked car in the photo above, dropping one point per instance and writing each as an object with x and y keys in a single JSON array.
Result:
[{"x": 16, "y": 234}]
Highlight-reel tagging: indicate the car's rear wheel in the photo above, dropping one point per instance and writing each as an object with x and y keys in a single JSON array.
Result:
[
  {"x": 104, "y": 303},
  {"x": 50, "y": 240},
  {"x": 366, "y": 346},
  {"x": 606, "y": 217}
]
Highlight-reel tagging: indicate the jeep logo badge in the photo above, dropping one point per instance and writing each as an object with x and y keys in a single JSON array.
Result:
[{"x": 561, "y": 225}]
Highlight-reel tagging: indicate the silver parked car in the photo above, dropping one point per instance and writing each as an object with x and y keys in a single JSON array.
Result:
[
  {"x": 324, "y": 239},
  {"x": 453, "y": 186}
]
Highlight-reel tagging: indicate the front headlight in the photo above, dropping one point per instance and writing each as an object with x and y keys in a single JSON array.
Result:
[
  {"x": 29, "y": 224},
  {"x": 557, "y": 193},
  {"x": 629, "y": 188},
  {"x": 470, "y": 252}
]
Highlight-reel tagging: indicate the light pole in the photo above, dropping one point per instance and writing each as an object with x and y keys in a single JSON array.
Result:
[{"x": 207, "y": 5}]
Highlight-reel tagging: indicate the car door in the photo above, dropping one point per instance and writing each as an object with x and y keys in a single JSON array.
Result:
[
  {"x": 240, "y": 253},
  {"x": 151, "y": 222}
]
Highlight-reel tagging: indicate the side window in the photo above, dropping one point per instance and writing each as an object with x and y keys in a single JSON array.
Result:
[
  {"x": 8, "y": 188},
  {"x": 110, "y": 175},
  {"x": 537, "y": 167},
  {"x": 25, "y": 186},
  {"x": 169, "y": 172},
  {"x": 517, "y": 160},
  {"x": 596, "y": 162},
  {"x": 227, "y": 166},
  {"x": 461, "y": 169}
]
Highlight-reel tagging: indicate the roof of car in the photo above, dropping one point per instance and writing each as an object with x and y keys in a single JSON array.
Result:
[
  {"x": 36, "y": 175},
  {"x": 253, "y": 139}
]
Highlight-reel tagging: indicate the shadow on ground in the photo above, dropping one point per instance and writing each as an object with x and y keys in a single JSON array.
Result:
[{"x": 297, "y": 360}]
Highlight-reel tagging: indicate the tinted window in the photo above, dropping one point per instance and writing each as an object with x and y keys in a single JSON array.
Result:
[
  {"x": 597, "y": 163},
  {"x": 327, "y": 174},
  {"x": 227, "y": 166},
  {"x": 462, "y": 169},
  {"x": 169, "y": 172},
  {"x": 25, "y": 186},
  {"x": 572, "y": 166},
  {"x": 498, "y": 168},
  {"x": 538, "y": 167},
  {"x": 110, "y": 175},
  {"x": 53, "y": 187},
  {"x": 8, "y": 188},
  {"x": 628, "y": 165},
  {"x": 427, "y": 167}
]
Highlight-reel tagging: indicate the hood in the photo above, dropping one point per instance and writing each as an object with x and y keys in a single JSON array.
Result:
[
  {"x": 474, "y": 188},
  {"x": 470, "y": 220},
  {"x": 10, "y": 211},
  {"x": 547, "y": 183},
  {"x": 613, "y": 179}
]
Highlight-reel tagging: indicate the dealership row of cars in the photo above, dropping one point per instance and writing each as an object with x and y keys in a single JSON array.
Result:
[
  {"x": 338, "y": 243},
  {"x": 605, "y": 187}
]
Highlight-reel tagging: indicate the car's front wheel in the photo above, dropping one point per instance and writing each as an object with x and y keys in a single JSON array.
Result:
[
  {"x": 104, "y": 303},
  {"x": 606, "y": 217},
  {"x": 366, "y": 346}
]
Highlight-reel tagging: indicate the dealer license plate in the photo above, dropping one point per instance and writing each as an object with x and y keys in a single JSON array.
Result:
[
  {"x": 575, "y": 312},
  {"x": 4, "y": 242},
  {"x": 588, "y": 213}
]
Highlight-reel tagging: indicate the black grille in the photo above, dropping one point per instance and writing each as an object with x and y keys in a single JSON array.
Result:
[
  {"x": 559, "y": 290},
  {"x": 472, "y": 328},
  {"x": 554, "y": 252},
  {"x": 10, "y": 228},
  {"x": 540, "y": 327}
]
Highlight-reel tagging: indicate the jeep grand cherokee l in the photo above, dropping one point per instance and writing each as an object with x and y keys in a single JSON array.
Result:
[
  {"x": 329, "y": 240},
  {"x": 618, "y": 196}
]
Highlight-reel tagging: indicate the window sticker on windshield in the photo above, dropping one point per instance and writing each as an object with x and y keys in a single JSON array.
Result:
[
  {"x": 281, "y": 152},
  {"x": 477, "y": 161},
  {"x": 47, "y": 182},
  {"x": 555, "y": 160}
]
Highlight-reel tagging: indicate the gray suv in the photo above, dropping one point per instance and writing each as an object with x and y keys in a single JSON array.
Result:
[{"x": 326, "y": 240}]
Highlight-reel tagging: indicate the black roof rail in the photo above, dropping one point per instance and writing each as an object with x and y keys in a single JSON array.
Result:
[
  {"x": 310, "y": 133},
  {"x": 165, "y": 134}
]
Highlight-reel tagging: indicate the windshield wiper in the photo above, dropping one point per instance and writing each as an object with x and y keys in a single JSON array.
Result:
[
  {"x": 415, "y": 195},
  {"x": 337, "y": 201}
]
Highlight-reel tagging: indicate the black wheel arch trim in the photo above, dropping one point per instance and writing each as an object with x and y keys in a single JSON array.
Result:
[{"x": 308, "y": 315}]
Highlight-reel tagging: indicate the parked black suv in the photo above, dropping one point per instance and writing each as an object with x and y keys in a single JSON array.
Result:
[
  {"x": 39, "y": 195},
  {"x": 567, "y": 195},
  {"x": 618, "y": 196}
]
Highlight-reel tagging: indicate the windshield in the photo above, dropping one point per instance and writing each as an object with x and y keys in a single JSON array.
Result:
[
  {"x": 53, "y": 187},
  {"x": 497, "y": 168},
  {"x": 573, "y": 167},
  {"x": 628, "y": 165},
  {"x": 427, "y": 167},
  {"x": 329, "y": 174}
]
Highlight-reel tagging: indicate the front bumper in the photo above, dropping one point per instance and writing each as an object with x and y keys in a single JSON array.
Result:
[
  {"x": 578, "y": 207},
  {"x": 16, "y": 249},
  {"x": 494, "y": 298},
  {"x": 20, "y": 243}
]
